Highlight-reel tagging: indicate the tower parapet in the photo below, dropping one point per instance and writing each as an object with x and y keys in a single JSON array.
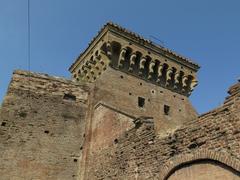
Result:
[{"x": 123, "y": 50}]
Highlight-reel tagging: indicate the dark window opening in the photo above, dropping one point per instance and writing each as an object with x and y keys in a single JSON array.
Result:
[
  {"x": 141, "y": 102},
  {"x": 116, "y": 141},
  {"x": 46, "y": 131},
  {"x": 166, "y": 109},
  {"x": 69, "y": 97},
  {"x": 23, "y": 114},
  {"x": 121, "y": 77},
  {"x": 3, "y": 124},
  {"x": 75, "y": 160}
]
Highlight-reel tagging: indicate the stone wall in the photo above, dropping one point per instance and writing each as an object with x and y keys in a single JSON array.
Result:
[
  {"x": 42, "y": 125},
  {"x": 53, "y": 128},
  {"x": 140, "y": 154},
  {"x": 121, "y": 91}
]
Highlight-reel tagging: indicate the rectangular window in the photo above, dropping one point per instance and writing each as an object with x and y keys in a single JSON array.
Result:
[
  {"x": 166, "y": 109},
  {"x": 141, "y": 102}
]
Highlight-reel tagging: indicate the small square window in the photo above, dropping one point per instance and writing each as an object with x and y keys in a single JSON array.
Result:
[
  {"x": 166, "y": 109},
  {"x": 141, "y": 102},
  {"x": 69, "y": 97}
]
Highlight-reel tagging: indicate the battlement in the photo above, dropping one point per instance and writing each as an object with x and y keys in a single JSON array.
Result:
[{"x": 125, "y": 51}]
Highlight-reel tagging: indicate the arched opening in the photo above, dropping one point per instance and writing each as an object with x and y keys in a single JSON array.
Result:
[
  {"x": 180, "y": 85},
  {"x": 164, "y": 74},
  {"x": 116, "y": 48},
  {"x": 204, "y": 169},
  {"x": 137, "y": 62},
  {"x": 126, "y": 62},
  {"x": 171, "y": 83},
  {"x": 155, "y": 70},
  {"x": 146, "y": 67}
]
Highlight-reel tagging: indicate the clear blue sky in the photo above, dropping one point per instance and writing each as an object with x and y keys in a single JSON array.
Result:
[{"x": 208, "y": 31}]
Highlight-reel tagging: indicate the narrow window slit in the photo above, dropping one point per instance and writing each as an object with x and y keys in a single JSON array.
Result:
[{"x": 166, "y": 109}]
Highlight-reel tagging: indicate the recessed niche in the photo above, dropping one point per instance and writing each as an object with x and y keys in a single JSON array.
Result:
[
  {"x": 96, "y": 53},
  {"x": 23, "y": 114},
  {"x": 140, "y": 84},
  {"x": 116, "y": 141},
  {"x": 3, "y": 124},
  {"x": 166, "y": 109},
  {"x": 70, "y": 97},
  {"x": 130, "y": 94},
  {"x": 46, "y": 132},
  {"x": 121, "y": 77},
  {"x": 141, "y": 102}
]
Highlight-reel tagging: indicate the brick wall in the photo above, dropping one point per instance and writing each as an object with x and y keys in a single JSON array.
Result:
[
  {"x": 53, "y": 128},
  {"x": 42, "y": 125},
  {"x": 140, "y": 154}
]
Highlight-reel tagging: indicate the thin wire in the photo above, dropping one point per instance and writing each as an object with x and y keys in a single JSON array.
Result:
[
  {"x": 29, "y": 39},
  {"x": 155, "y": 38},
  {"x": 29, "y": 51}
]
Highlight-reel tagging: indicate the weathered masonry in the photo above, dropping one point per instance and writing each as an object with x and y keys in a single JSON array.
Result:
[
  {"x": 123, "y": 50},
  {"x": 137, "y": 77},
  {"x": 124, "y": 115}
]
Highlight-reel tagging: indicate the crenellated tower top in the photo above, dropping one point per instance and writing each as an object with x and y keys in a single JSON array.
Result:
[{"x": 120, "y": 49}]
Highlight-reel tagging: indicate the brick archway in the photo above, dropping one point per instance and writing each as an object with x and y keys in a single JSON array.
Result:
[{"x": 174, "y": 163}]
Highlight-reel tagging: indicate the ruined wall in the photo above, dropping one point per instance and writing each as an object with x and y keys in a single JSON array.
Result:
[
  {"x": 42, "y": 125},
  {"x": 140, "y": 154}
]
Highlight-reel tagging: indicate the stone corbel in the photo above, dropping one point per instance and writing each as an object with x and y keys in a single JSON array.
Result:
[
  {"x": 176, "y": 80},
  {"x": 151, "y": 70},
  {"x": 159, "y": 72},
  {"x": 132, "y": 62},
  {"x": 95, "y": 60},
  {"x": 122, "y": 57},
  {"x": 109, "y": 49},
  {"x": 184, "y": 83},
  {"x": 142, "y": 64},
  {"x": 103, "y": 59},
  {"x": 193, "y": 84},
  {"x": 169, "y": 76}
]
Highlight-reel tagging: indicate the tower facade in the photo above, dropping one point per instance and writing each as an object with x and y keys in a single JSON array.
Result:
[{"x": 137, "y": 77}]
